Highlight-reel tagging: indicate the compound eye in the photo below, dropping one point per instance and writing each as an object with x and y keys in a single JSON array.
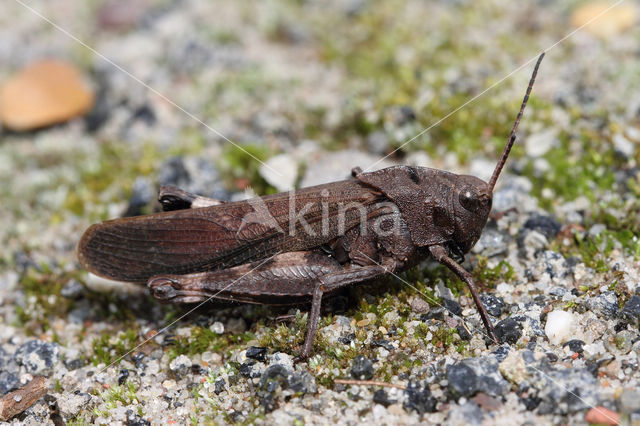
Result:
[{"x": 469, "y": 201}]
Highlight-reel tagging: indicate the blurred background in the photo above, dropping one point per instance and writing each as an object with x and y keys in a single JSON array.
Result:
[{"x": 103, "y": 101}]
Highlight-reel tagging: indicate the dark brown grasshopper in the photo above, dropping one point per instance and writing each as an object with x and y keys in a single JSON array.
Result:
[{"x": 290, "y": 247}]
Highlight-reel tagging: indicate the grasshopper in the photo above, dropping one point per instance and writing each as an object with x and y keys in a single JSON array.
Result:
[{"x": 298, "y": 246}]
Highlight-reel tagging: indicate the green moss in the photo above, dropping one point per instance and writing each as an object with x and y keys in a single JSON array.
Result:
[
  {"x": 463, "y": 348},
  {"x": 587, "y": 249},
  {"x": 284, "y": 336},
  {"x": 107, "y": 349},
  {"x": 124, "y": 394},
  {"x": 202, "y": 339},
  {"x": 43, "y": 303},
  {"x": 80, "y": 421},
  {"x": 621, "y": 342},
  {"x": 243, "y": 165},
  {"x": 503, "y": 271},
  {"x": 444, "y": 337},
  {"x": 422, "y": 330}
]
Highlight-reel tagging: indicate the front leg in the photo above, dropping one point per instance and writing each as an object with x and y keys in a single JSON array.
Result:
[{"x": 440, "y": 254}]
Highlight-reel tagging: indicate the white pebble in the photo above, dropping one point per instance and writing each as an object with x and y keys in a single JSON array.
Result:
[
  {"x": 280, "y": 171},
  {"x": 169, "y": 384},
  {"x": 217, "y": 327},
  {"x": 560, "y": 326},
  {"x": 593, "y": 349},
  {"x": 503, "y": 288}
]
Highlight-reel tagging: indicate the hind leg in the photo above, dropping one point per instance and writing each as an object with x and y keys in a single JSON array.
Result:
[
  {"x": 283, "y": 277},
  {"x": 174, "y": 198}
]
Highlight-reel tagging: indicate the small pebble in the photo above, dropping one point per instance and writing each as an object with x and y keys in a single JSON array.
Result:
[
  {"x": 363, "y": 322},
  {"x": 419, "y": 305},
  {"x": 73, "y": 289},
  {"x": 508, "y": 331},
  {"x": 631, "y": 310},
  {"x": 180, "y": 366},
  {"x": 123, "y": 376},
  {"x": 630, "y": 401},
  {"x": 560, "y": 326},
  {"x": 44, "y": 93},
  {"x": 38, "y": 357},
  {"x": 419, "y": 398},
  {"x": 575, "y": 345},
  {"x": 381, "y": 397},
  {"x": 169, "y": 384},
  {"x": 603, "y": 416},
  {"x": 494, "y": 305},
  {"x": 362, "y": 368},
  {"x": 217, "y": 327},
  {"x": 452, "y": 307},
  {"x": 473, "y": 375},
  {"x": 280, "y": 172},
  {"x": 436, "y": 313},
  {"x": 609, "y": 24},
  {"x": 259, "y": 354},
  {"x": 70, "y": 404}
]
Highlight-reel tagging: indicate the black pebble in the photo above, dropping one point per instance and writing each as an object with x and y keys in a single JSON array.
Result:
[
  {"x": 383, "y": 344},
  {"x": 123, "y": 376},
  {"x": 246, "y": 368},
  {"x": 257, "y": 353},
  {"x": 8, "y": 382},
  {"x": 419, "y": 398},
  {"x": 631, "y": 310},
  {"x": 346, "y": 340},
  {"x": 381, "y": 397},
  {"x": 301, "y": 382},
  {"x": 462, "y": 380},
  {"x": 508, "y": 331},
  {"x": 495, "y": 306},
  {"x": 267, "y": 400},
  {"x": 452, "y": 306},
  {"x": 219, "y": 386},
  {"x": 530, "y": 403},
  {"x": 362, "y": 368},
  {"x": 138, "y": 359},
  {"x": 593, "y": 367},
  {"x": 463, "y": 333},
  {"x": 74, "y": 364},
  {"x": 142, "y": 193},
  {"x": 575, "y": 345},
  {"x": 435, "y": 313},
  {"x": 144, "y": 113},
  {"x": 546, "y": 225},
  {"x": 273, "y": 377},
  {"x": 501, "y": 353},
  {"x": 133, "y": 419}
]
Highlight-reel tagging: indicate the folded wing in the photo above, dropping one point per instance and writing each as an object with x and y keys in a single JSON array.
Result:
[{"x": 195, "y": 240}]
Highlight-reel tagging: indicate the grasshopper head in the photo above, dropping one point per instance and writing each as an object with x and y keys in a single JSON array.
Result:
[{"x": 472, "y": 203}]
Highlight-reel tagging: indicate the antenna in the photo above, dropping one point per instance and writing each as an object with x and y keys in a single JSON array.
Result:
[{"x": 512, "y": 135}]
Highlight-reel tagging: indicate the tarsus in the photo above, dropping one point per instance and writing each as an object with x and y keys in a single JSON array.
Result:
[{"x": 512, "y": 135}]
